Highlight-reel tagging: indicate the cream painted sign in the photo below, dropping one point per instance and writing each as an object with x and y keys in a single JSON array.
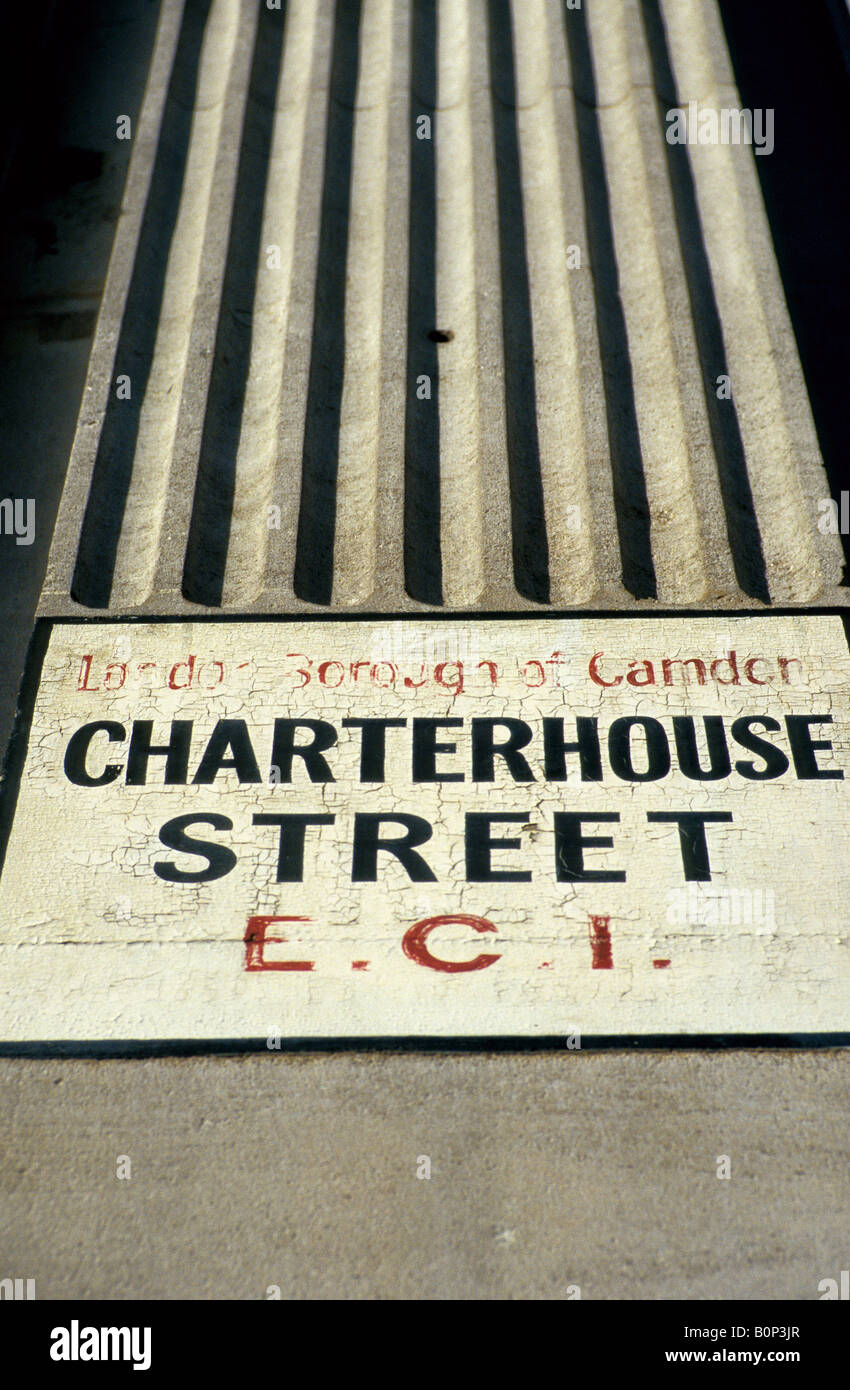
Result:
[{"x": 560, "y": 828}]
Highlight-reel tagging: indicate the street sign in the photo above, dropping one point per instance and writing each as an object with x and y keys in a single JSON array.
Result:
[{"x": 555, "y": 828}]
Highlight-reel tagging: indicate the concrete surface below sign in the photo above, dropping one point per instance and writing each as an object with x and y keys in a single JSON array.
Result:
[
  {"x": 567, "y": 826},
  {"x": 551, "y": 1171}
]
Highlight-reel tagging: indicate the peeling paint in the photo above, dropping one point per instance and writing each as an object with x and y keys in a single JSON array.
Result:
[{"x": 745, "y": 934}]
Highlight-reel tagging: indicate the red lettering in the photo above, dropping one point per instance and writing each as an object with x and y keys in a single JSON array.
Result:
[
  {"x": 299, "y": 670},
  {"x": 323, "y": 673},
  {"x": 732, "y": 663},
  {"x": 648, "y": 671},
  {"x": 373, "y": 674},
  {"x": 220, "y": 665},
  {"x": 120, "y": 666},
  {"x": 85, "y": 670},
  {"x": 600, "y": 943},
  {"x": 593, "y": 671},
  {"x": 554, "y": 660},
  {"x": 256, "y": 942},
  {"x": 784, "y": 663},
  {"x": 414, "y": 947},
  {"x": 416, "y": 685},
  {"x": 748, "y": 668},
  {"x": 172, "y": 678},
  {"x": 668, "y": 664},
  {"x": 455, "y": 685}
]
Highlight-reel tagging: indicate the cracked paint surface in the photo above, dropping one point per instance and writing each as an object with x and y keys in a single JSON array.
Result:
[{"x": 94, "y": 945}]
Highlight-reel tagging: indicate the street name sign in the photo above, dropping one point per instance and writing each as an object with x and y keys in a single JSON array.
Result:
[{"x": 549, "y": 829}]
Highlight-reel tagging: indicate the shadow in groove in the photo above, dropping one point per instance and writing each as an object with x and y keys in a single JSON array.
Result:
[
  {"x": 209, "y": 529},
  {"x": 630, "y": 499},
  {"x": 314, "y": 556},
  {"x": 101, "y": 529},
  {"x": 530, "y": 544},
  {"x": 741, "y": 522},
  {"x": 423, "y": 571}
]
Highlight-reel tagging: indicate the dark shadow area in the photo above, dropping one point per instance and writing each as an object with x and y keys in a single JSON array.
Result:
[
  {"x": 528, "y": 521},
  {"x": 212, "y": 508},
  {"x": 65, "y": 71},
  {"x": 742, "y": 526},
  {"x": 791, "y": 60},
  {"x": 630, "y": 499},
  {"x": 314, "y": 558},
  {"x": 93, "y": 574},
  {"x": 423, "y": 569}
]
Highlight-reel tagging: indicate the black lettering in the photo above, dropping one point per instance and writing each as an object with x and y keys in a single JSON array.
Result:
[
  {"x": 220, "y": 859},
  {"x": 373, "y": 745},
  {"x": 804, "y": 748},
  {"x": 719, "y": 762},
  {"x": 426, "y": 748},
  {"x": 290, "y": 855},
  {"x": 367, "y": 843},
  {"x": 78, "y": 747},
  {"x": 775, "y": 761},
  {"x": 228, "y": 733},
  {"x": 586, "y": 745},
  {"x": 692, "y": 841},
  {"x": 284, "y": 748},
  {"x": 480, "y": 844},
  {"x": 570, "y": 845},
  {"x": 485, "y": 751},
  {"x": 175, "y": 752},
  {"x": 620, "y": 749}
]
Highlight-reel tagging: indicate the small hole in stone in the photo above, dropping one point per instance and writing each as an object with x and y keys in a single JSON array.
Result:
[{"x": 441, "y": 335}]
